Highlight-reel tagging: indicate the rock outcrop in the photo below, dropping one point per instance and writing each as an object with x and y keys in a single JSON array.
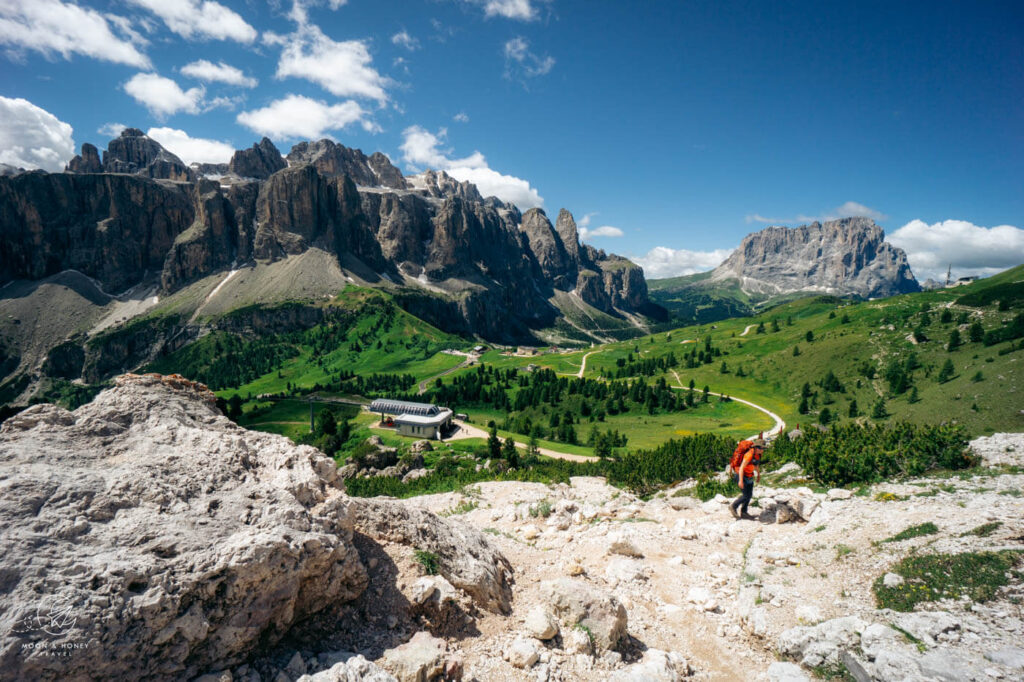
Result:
[
  {"x": 331, "y": 158},
  {"x": 136, "y": 153},
  {"x": 841, "y": 257},
  {"x": 153, "y": 538},
  {"x": 259, "y": 161},
  {"x": 86, "y": 162}
]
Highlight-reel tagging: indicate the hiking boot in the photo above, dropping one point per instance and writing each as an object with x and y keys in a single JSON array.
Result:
[
  {"x": 748, "y": 517},
  {"x": 732, "y": 510}
]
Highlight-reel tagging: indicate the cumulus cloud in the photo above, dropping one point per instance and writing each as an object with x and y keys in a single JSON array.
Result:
[
  {"x": 162, "y": 96},
  {"x": 403, "y": 39},
  {"x": 423, "y": 149},
  {"x": 851, "y": 209},
  {"x": 192, "y": 149},
  {"x": 296, "y": 116},
  {"x": 969, "y": 248},
  {"x": 111, "y": 129},
  {"x": 220, "y": 72},
  {"x": 523, "y": 10},
  {"x": 603, "y": 231},
  {"x": 662, "y": 261},
  {"x": 31, "y": 137},
  {"x": 201, "y": 19},
  {"x": 521, "y": 63},
  {"x": 341, "y": 68},
  {"x": 53, "y": 28}
]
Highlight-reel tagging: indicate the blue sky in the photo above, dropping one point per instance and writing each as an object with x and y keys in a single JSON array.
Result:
[{"x": 670, "y": 129}]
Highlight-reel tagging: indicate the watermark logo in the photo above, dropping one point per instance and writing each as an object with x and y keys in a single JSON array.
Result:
[{"x": 57, "y": 619}]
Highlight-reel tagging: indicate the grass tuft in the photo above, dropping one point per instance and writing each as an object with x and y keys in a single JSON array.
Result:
[
  {"x": 928, "y": 528},
  {"x": 928, "y": 578}
]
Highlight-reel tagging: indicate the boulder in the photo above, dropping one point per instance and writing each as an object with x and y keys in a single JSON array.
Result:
[
  {"x": 149, "y": 523},
  {"x": 1011, "y": 657},
  {"x": 419, "y": 660},
  {"x": 576, "y": 602},
  {"x": 655, "y": 666},
  {"x": 815, "y": 645},
  {"x": 355, "y": 669},
  {"x": 540, "y": 623},
  {"x": 780, "y": 671},
  {"x": 466, "y": 557},
  {"x": 523, "y": 652}
]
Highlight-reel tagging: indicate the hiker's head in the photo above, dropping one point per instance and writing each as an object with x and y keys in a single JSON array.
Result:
[{"x": 758, "y": 444}]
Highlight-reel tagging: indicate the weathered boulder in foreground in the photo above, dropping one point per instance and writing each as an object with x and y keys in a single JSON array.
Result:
[
  {"x": 158, "y": 538},
  {"x": 464, "y": 555}
]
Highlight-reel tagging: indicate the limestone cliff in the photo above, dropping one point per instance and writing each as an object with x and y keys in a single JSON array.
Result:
[{"x": 843, "y": 257}]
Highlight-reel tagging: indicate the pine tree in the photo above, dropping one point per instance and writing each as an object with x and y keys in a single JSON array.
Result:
[
  {"x": 809, "y": 336},
  {"x": 796, "y": 351},
  {"x": 947, "y": 372},
  {"x": 854, "y": 412},
  {"x": 775, "y": 324},
  {"x": 704, "y": 397},
  {"x": 825, "y": 416},
  {"x": 913, "y": 398},
  {"x": 760, "y": 328},
  {"x": 845, "y": 319},
  {"x": 946, "y": 317},
  {"x": 532, "y": 448},
  {"x": 954, "y": 340},
  {"x": 803, "y": 408},
  {"x": 509, "y": 453},
  {"x": 977, "y": 332},
  {"x": 879, "y": 411},
  {"x": 724, "y": 369},
  {"x": 494, "y": 443}
]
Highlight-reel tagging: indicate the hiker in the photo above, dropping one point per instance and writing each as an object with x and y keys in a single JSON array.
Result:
[{"x": 746, "y": 465}]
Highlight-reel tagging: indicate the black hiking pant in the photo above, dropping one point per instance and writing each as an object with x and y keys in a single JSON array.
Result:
[{"x": 743, "y": 500}]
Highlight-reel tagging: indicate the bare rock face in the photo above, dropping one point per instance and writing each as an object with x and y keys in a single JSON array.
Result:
[
  {"x": 440, "y": 185},
  {"x": 158, "y": 538},
  {"x": 136, "y": 153},
  {"x": 331, "y": 158},
  {"x": 259, "y": 161},
  {"x": 549, "y": 249},
  {"x": 87, "y": 162},
  {"x": 841, "y": 257}
]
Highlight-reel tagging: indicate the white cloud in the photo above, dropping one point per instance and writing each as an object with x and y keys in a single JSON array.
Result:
[
  {"x": 162, "y": 96},
  {"x": 220, "y": 72},
  {"x": 296, "y": 116},
  {"x": 200, "y": 19},
  {"x": 192, "y": 149},
  {"x": 111, "y": 129},
  {"x": 520, "y": 62},
  {"x": 31, "y": 137},
  {"x": 662, "y": 261},
  {"x": 403, "y": 39},
  {"x": 603, "y": 231},
  {"x": 461, "y": 117},
  {"x": 851, "y": 209},
  {"x": 342, "y": 68},
  {"x": 969, "y": 248},
  {"x": 421, "y": 148},
  {"x": 53, "y": 27},
  {"x": 523, "y": 10}
]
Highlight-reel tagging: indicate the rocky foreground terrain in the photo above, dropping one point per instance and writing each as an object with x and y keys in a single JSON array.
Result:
[{"x": 147, "y": 536}]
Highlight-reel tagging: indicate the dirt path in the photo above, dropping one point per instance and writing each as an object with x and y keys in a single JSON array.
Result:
[
  {"x": 749, "y": 327},
  {"x": 583, "y": 365},
  {"x": 776, "y": 429},
  {"x": 467, "y": 431}
]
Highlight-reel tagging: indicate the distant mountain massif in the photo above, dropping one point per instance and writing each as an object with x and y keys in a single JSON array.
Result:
[
  {"x": 847, "y": 257},
  {"x": 136, "y": 232}
]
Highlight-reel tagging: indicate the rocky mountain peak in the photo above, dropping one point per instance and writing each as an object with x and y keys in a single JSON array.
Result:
[
  {"x": 86, "y": 162},
  {"x": 136, "y": 153},
  {"x": 844, "y": 257},
  {"x": 440, "y": 185},
  {"x": 259, "y": 161},
  {"x": 331, "y": 158},
  {"x": 565, "y": 225}
]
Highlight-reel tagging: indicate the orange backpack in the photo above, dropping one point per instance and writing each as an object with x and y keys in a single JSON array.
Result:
[{"x": 737, "y": 457}]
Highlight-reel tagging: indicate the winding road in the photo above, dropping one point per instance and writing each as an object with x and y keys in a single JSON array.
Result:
[
  {"x": 425, "y": 384},
  {"x": 749, "y": 327},
  {"x": 776, "y": 429},
  {"x": 583, "y": 365},
  {"x": 467, "y": 431}
]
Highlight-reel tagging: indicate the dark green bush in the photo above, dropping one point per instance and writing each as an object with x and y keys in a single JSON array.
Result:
[{"x": 851, "y": 453}]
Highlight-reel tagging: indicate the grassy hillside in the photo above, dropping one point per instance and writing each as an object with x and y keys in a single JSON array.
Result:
[{"x": 690, "y": 300}]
